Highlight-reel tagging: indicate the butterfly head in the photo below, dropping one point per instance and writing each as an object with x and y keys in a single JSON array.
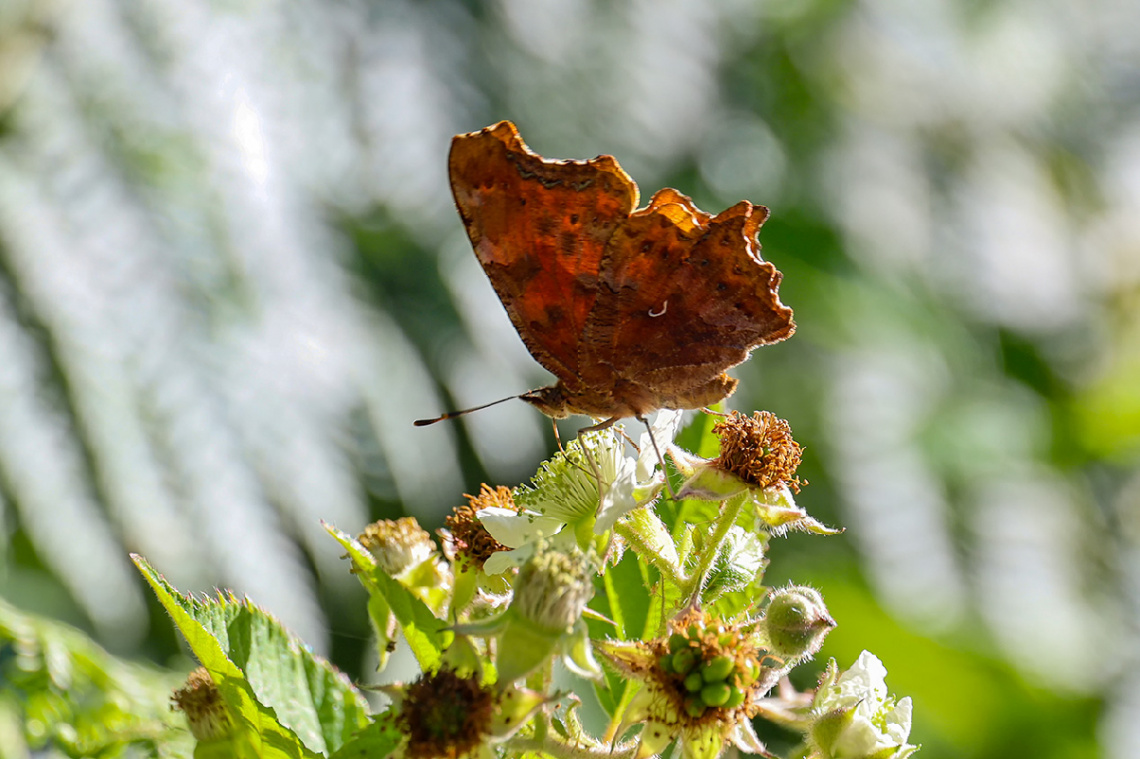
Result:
[{"x": 549, "y": 400}]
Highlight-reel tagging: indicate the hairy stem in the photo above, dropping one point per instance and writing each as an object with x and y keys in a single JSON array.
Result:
[{"x": 730, "y": 510}]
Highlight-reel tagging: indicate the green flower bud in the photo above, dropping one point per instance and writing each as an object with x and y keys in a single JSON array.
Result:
[
  {"x": 796, "y": 622},
  {"x": 694, "y": 682},
  {"x": 677, "y": 641}
]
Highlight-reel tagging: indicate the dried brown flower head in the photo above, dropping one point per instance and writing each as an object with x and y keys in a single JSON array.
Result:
[
  {"x": 202, "y": 703},
  {"x": 759, "y": 449},
  {"x": 465, "y": 539},
  {"x": 446, "y": 716},
  {"x": 397, "y": 544}
]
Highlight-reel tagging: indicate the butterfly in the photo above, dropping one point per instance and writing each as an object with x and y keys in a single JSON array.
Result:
[{"x": 632, "y": 310}]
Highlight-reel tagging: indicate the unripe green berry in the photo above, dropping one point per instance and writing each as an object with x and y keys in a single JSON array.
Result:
[
  {"x": 716, "y": 694},
  {"x": 677, "y": 641},
  {"x": 694, "y": 707},
  {"x": 666, "y": 663},
  {"x": 718, "y": 669},
  {"x": 684, "y": 660},
  {"x": 694, "y": 682},
  {"x": 735, "y": 699},
  {"x": 694, "y": 632}
]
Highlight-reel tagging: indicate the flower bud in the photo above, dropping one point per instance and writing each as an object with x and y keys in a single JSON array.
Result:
[{"x": 796, "y": 622}]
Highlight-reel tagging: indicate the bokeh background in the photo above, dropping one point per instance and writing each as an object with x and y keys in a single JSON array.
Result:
[{"x": 231, "y": 276}]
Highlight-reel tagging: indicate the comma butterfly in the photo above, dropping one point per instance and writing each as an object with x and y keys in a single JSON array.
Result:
[{"x": 632, "y": 310}]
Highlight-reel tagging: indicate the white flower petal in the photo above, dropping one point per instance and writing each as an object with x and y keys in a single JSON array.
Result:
[
  {"x": 501, "y": 561},
  {"x": 513, "y": 529}
]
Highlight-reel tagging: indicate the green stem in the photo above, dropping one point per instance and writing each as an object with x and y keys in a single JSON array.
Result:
[{"x": 730, "y": 510}]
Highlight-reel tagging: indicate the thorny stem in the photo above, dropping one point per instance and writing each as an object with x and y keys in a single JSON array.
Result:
[{"x": 730, "y": 511}]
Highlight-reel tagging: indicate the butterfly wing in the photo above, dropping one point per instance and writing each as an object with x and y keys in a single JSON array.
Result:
[
  {"x": 539, "y": 228},
  {"x": 691, "y": 298}
]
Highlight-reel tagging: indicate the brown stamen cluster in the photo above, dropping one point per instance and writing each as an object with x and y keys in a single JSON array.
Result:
[
  {"x": 445, "y": 715},
  {"x": 465, "y": 537},
  {"x": 759, "y": 449}
]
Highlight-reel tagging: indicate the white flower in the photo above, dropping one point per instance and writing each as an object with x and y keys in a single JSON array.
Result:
[
  {"x": 588, "y": 486},
  {"x": 855, "y": 716}
]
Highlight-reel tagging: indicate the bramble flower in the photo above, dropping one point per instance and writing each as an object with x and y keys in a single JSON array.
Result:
[
  {"x": 758, "y": 460},
  {"x": 700, "y": 685},
  {"x": 205, "y": 710},
  {"x": 545, "y": 616},
  {"x": 855, "y": 718},
  {"x": 445, "y": 715},
  {"x": 586, "y": 487}
]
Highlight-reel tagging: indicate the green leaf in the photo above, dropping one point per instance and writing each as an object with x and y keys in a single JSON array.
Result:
[
  {"x": 427, "y": 635},
  {"x": 379, "y": 739},
  {"x": 628, "y": 596},
  {"x": 286, "y": 701}
]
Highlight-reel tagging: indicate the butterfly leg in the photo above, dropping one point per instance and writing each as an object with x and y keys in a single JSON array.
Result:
[{"x": 660, "y": 458}]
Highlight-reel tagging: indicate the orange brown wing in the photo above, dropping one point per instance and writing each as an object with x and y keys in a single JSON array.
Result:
[
  {"x": 686, "y": 296},
  {"x": 539, "y": 228}
]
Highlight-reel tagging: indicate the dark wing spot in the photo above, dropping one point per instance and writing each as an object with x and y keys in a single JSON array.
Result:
[
  {"x": 568, "y": 243},
  {"x": 546, "y": 226},
  {"x": 522, "y": 201},
  {"x": 704, "y": 262},
  {"x": 645, "y": 246},
  {"x": 721, "y": 286},
  {"x": 573, "y": 218},
  {"x": 555, "y": 315}
]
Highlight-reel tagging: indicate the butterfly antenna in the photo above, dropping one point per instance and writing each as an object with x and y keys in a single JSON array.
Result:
[
  {"x": 660, "y": 458},
  {"x": 454, "y": 414}
]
